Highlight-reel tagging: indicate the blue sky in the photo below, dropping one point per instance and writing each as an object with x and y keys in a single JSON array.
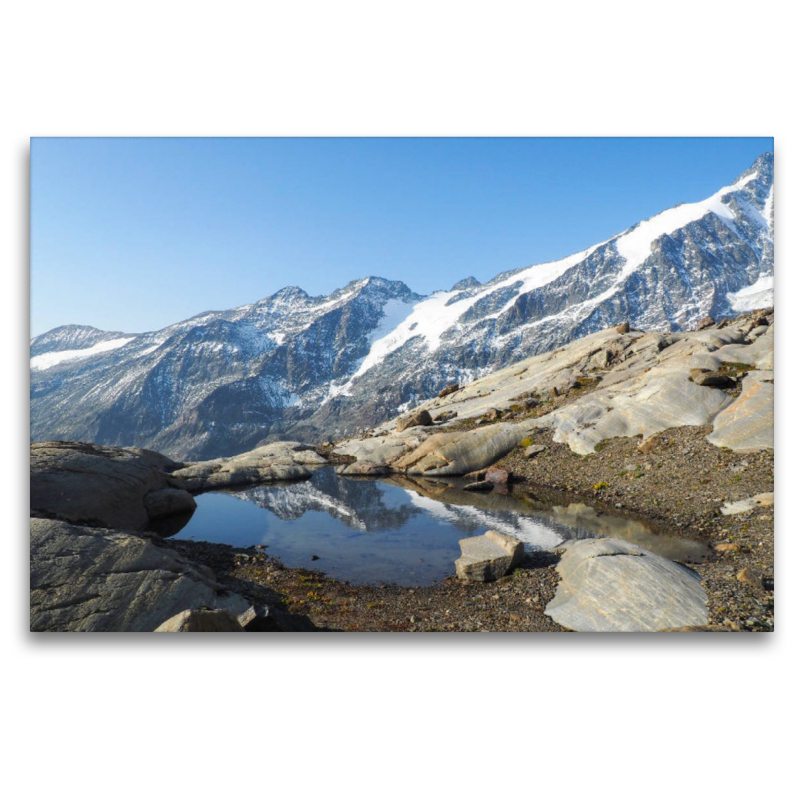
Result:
[{"x": 135, "y": 234}]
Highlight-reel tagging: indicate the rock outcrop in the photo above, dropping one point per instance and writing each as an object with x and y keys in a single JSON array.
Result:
[
  {"x": 613, "y": 586},
  {"x": 95, "y": 579},
  {"x": 488, "y": 557},
  {"x": 281, "y": 461},
  {"x": 649, "y": 382},
  {"x": 110, "y": 487}
]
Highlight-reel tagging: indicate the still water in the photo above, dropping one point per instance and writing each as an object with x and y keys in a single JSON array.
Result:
[{"x": 396, "y": 529}]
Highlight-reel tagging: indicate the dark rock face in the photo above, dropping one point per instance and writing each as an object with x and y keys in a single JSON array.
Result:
[{"x": 298, "y": 367}]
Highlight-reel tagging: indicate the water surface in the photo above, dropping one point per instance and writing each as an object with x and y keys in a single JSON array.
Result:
[{"x": 398, "y": 530}]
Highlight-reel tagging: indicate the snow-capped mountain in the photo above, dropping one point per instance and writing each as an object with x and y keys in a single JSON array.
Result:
[{"x": 294, "y": 366}]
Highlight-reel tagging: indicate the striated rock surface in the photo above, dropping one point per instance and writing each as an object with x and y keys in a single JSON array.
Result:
[
  {"x": 95, "y": 579},
  {"x": 649, "y": 382},
  {"x": 748, "y": 423},
  {"x": 488, "y": 557},
  {"x": 613, "y": 586}
]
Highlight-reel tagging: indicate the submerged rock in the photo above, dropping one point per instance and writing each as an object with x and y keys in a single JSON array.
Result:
[
  {"x": 609, "y": 585},
  {"x": 488, "y": 557}
]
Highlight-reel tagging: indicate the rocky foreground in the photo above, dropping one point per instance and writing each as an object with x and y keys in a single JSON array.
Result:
[{"x": 675, "y": 428}]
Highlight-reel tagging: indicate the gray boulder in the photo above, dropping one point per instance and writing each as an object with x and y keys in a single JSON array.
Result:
[
  {"x": 488, "y": 557},
  {"x": 608, "y": 585},
  {"x": 281, "y": 461},
  {"x": 96, "y": 485},
  {"x": 93, "y": 579},
  {"x": 164, "y": 502}
]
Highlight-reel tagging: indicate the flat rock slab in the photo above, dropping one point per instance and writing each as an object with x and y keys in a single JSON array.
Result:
[
  {"x": 488, "y": 557},
  {"x": 95, "y": 579},
  {"x": 747, "y": 425},
  {"x": 612, "y": 586},
  {"x": 743, "y": 506}
]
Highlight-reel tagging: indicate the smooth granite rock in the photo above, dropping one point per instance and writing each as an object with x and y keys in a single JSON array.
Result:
[
  {"x": 747, "y": 425},
  {"x": 608, "y": 585},
  {"x": 460, "y": 452},
  {"x": 96, "y": 485},
  {"x": 95, "y": 579},
  {"x": 281, "y": 461},
  {"x": 488, "y": 557}
]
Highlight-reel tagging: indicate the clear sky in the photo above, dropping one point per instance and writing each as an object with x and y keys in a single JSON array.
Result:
[{"x": 135, "y": 234}]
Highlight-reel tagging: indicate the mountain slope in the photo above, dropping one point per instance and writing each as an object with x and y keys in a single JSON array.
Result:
[{"x": 309, "y": 367}]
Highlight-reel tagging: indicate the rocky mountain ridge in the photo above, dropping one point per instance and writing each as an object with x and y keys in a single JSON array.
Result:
[{"x": 300, "y": 367}]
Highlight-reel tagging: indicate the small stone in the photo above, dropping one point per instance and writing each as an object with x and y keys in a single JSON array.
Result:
[
  {"x": 453, "y": 387},
  {"x": 497, "y": 475},
  {"x": 705, "y": 322},
  {"x": 751, "y": 577},
  {"x": 704, "y": 377},
  {"x": 727, "y": 547},
  {"x": 488, "y": 557},
  {"x": 534, "y": 450},
  {"x": 648, "y": 445},
  {"x": 422, "y": 417}
]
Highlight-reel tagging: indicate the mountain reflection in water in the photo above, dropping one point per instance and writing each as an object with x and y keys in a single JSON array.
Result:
[{"x": 396, "y": 529}]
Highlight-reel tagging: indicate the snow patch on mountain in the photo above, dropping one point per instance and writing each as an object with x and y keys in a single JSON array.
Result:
[
  {"x": 48, "y": 360},
  {"x": 760, "y": 295},
  {"x": 636, "y": 245}
]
